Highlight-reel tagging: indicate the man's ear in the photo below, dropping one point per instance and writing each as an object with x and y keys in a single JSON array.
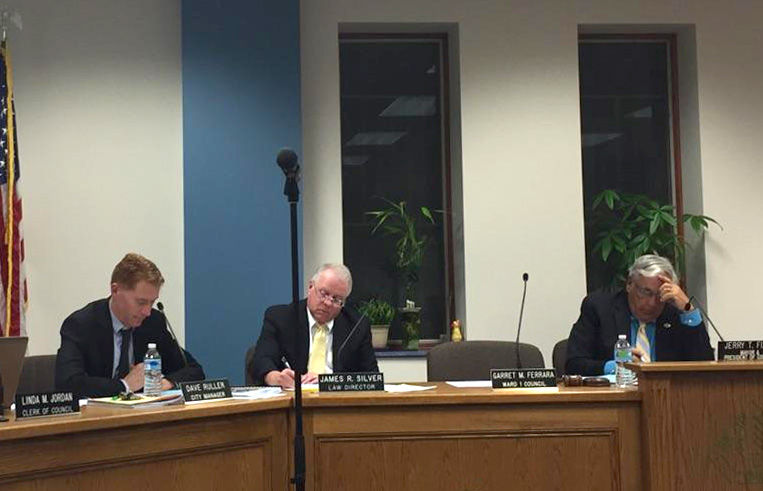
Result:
[{"x": 114, "y": 288}]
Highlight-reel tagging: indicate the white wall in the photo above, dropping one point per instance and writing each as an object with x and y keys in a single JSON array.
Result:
[
  {"x": 98, "y": 100},
  {"x": 522, "y": 189},
  {"x": 728, "y": 46},
  {"x": 98, "y": 95},
  {"x": 520, "y": 151}
]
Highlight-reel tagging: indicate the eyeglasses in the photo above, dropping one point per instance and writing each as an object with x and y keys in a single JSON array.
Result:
[
  {"x": 323, "y": 295},
  {"x": 645, "y": 293}
]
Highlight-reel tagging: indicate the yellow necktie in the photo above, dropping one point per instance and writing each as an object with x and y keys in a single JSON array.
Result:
[
  {"x": 642, "y": 341},
  {"x": 317, "y": 363}
]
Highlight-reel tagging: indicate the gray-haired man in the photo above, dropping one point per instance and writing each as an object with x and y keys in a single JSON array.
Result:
[
  {"x": 318, "y": 335},
  {"x": 652, "y": 311}
]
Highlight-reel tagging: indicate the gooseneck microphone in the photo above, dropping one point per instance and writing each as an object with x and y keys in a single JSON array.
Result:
[
  {"x": 525, "y": 277},
  {"x": 160, "y": 306},
  {"x": 338, "y": 363}
]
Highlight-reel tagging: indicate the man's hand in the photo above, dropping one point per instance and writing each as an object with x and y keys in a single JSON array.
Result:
[
  {"x": 310, "y": 378},
  {"x": 167, "y": 385},
  {"x": 671, "y": 292},
  {"x": 135, "y": 378},
  {"x": 284, "y": 378},
  {"x": 637, "y": 354}
]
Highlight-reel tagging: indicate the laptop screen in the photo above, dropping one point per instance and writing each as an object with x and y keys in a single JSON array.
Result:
[{"x": 12, "y": 351}]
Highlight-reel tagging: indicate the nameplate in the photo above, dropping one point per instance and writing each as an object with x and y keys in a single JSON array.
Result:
[
  {"x": 522, "y": 378},
  {"x": 740, "y": 350},
  {"x": 206, "y": 390},
  {"x": 350, "y": 381},
  {"x": 46, "y": 404}
]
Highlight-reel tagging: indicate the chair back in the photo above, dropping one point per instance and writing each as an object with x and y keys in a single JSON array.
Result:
[
  {"x": 38, "y": 375},
  {"x": 249, "y": 363},
  {"x": 559, "y": 357},
  {"x": 472, "y": 360}
]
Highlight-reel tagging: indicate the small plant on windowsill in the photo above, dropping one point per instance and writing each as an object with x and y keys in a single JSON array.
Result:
[
  {"x": 630, "y": 225},
  {"x": 380, "y": 314}
]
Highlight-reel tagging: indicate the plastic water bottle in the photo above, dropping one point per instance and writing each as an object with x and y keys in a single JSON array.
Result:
[
  {"x": 623, "y": 376},
  {"x": 152, "y": 365}
]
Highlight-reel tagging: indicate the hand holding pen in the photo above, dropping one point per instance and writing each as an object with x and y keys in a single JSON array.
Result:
[{"x": 285, "y": 377}]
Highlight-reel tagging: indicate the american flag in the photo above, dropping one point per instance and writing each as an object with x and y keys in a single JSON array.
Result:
[{"x": 13, "y": 295}]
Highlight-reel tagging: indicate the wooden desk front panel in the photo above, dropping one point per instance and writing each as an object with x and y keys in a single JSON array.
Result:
[
  {"x": 232, "y": 451},
  {"x": 475, "y": 447},
  {"x": 703, "y": 430}
]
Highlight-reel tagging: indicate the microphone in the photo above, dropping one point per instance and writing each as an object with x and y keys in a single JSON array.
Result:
[
  {"x": 525, "y": 277},
  {"x": 288, "y": 162},
  {"x": 339, "y": 351},
  {"x": 160, "y": 306},
  {"x": 704, "y": 314}
]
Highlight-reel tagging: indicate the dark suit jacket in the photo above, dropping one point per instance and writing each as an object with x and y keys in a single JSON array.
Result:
[
  {"x": 85, "y": 359},
  {"x": 285, "y": 324},
  {"x": 605, "y": 314}
]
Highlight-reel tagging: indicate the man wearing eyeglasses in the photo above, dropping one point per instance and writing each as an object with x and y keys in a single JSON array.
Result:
[
  {"x": 318, "y": 334},
  {"x": 652, "y": 311}
]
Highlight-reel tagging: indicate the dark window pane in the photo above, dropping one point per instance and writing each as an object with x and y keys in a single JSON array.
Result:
[
  {"x": 626, "y": 123},
  {"x": 391, "y": 117}
]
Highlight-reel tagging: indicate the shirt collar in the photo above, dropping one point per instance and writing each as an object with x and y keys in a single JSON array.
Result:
[
  {"x": 636, "y": 322},
  {"x": 312, "y": 322},
  {"x": 116, "y": 324}
]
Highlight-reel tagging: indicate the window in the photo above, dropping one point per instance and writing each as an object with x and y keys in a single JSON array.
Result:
[
  {"x": 629, "y": 126},
  {"x": 395, "y": 146}
]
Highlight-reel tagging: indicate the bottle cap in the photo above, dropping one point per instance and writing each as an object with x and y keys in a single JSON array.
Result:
[
  {"x": 620, "y": 336},
  {"x": 151, "y": 345}
]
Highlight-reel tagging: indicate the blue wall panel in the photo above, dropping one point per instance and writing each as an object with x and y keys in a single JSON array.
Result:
[{"x": 241, "y": 104}]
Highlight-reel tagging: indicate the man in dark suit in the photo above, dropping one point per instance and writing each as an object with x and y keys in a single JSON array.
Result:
[
  {"x": 315, "y": 334},
  {"x": 103, "y": 343},
  {"x": 652, "y": 311}
]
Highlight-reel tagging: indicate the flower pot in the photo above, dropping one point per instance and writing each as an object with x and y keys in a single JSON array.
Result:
[{"x": 379, "y": 333}]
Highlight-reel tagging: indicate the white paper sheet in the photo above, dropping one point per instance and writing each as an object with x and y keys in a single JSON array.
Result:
[
  {"x": 406, "y": 388},
  {"x": 465, "y": 384}
]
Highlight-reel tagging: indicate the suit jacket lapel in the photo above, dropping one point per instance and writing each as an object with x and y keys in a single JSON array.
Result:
[
  {"x": 661, "y": 335},
  {"x": 104, "y": 332},
  {"x": 340, "y": 331},
  {"x": 622, "y": 314},
  {"x": 302, "y": 334}
]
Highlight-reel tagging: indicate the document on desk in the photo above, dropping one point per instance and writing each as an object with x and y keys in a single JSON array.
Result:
[
  {"x": 255, "y": 392},
  {"x": 406, "y": 388},
  {"x": 306, "y": 388},
  {"x": 139, "y": 401},
  {"x": 466, "y": 384}
]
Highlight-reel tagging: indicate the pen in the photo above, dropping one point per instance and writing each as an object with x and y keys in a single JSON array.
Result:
[{"x": 285, "y": 362}]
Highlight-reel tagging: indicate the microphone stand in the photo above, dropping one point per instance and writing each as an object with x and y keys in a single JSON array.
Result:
[
  {"x": 291, "y": 190},
  {"x": 525, "y": 277}
]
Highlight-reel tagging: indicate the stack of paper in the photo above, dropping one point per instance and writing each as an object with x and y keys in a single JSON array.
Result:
[{"x": 140, "y": 401}]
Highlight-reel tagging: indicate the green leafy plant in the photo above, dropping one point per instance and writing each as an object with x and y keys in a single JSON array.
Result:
[
  {"x": 630, "y": 225},
  {"x": 410, "y": 244},
  {"x": 378, "y": 312}
]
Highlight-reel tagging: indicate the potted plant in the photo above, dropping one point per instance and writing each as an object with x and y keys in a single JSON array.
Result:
[
  {"x": 630, "y": 225},
  {"x": 410, "y": 245},
  {"x": 380, "y": 314}
]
